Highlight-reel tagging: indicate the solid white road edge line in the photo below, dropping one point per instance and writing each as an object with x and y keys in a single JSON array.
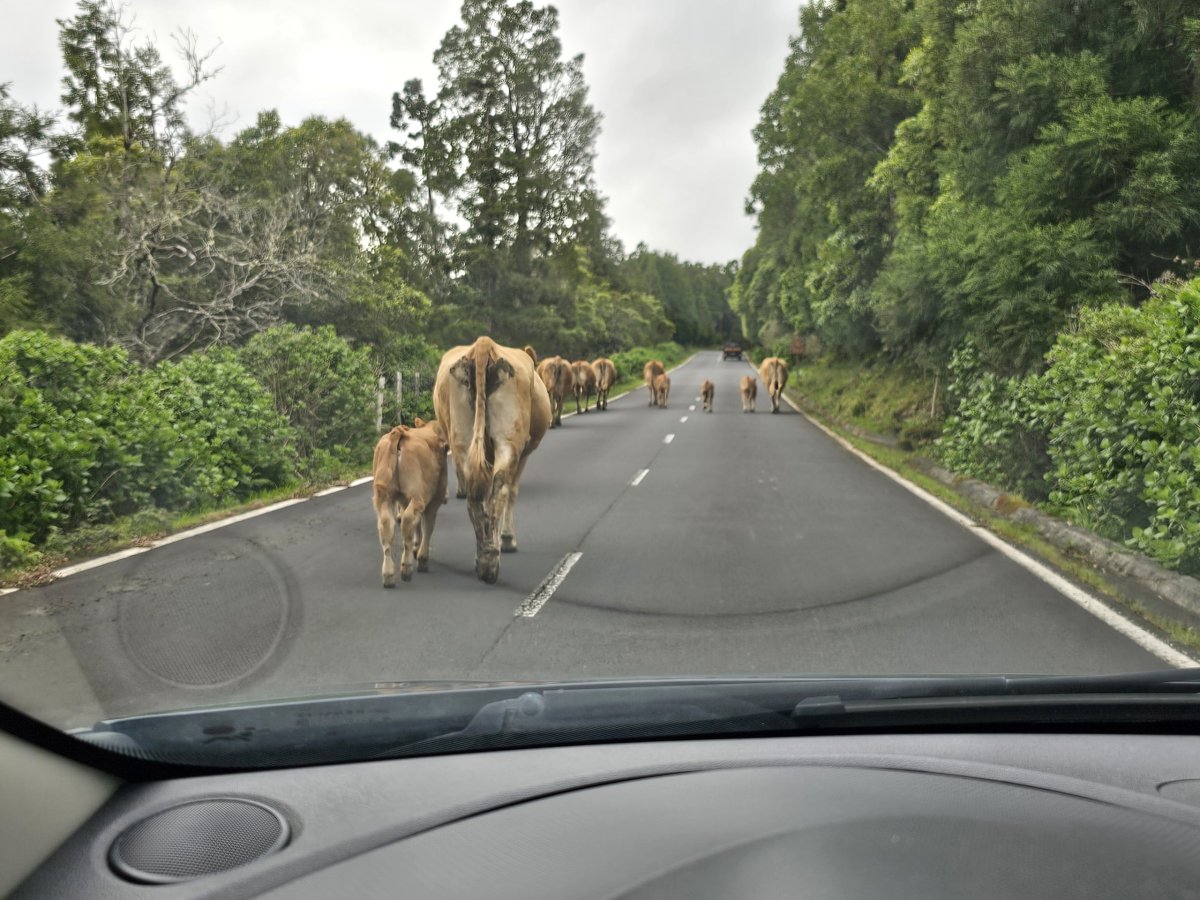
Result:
[
  {"x": 668, "y": 438},
  {"x": 637, "y": 479},
  {"x": 546, "y": 589},
  {"x": 1072, "y": 592}
]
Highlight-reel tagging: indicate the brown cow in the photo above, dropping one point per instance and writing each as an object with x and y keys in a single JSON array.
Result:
[
  {"x": 749, "y": 390},
  {"x": 494, "y": 411},
  {"x": 559, "y": 379},
  {"x": 585, "y": 382},
  {"x": 774, "y": 373},
  {"x": 410, "y": 486},
  {"x": 606, "y": 377},
  {"x": 662, "y": 389},
  {"x": 706, "y": 395},
  {"x": 651, "y": 371}
]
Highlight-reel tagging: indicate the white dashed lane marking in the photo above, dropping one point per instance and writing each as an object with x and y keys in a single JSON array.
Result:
[
  {"x": 683, "y": 419},
  {"x": 668, "y": 438},
  {"x": 546, "y": 589},
  {"x": 637, "y": 479}
]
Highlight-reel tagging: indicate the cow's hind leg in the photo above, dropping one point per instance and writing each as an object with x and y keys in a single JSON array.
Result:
[
  {"x": 385, "y": 518},
  {"x": 427, "y": 524},
  {"x": 410, "y": 524}
]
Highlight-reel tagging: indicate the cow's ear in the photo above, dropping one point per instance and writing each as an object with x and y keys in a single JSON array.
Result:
[{"x": 418, "y": 422}]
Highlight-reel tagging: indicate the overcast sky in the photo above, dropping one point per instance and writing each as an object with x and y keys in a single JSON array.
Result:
[{"x": 678, "y": 82}]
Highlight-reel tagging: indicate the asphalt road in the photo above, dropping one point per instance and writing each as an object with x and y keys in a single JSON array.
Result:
[{"x": 751, "y": 544}]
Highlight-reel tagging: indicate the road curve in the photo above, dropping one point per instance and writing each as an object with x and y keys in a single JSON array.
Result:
[{"x": 664, "y": 542}]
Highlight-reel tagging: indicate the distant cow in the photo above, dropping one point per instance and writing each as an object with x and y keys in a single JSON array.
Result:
[
  {"x": 706, "y": 395},
  {"x": 774, "y": 373},
  {"x": 410, "y": 485},
  {"x": 585, "y": 382},
  {"x": 749, "y": 390},
  {"x": 651, "y": 371},
  {"x": 559, "y": 380},
  {"x": 606, "y": 377},
  {"x": 662, "y": 389},
  {"x": 494, "y": 411}
]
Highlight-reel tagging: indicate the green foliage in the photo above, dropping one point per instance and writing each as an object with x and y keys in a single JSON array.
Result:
[
  {"x": 87, "y": 436},
  {"x": 631, "y": 362},
  {"x": 998, "y": 431},
  {"x": 232, "y": 442},
  {"x": 322, "y": 386},
  {"x": 1110, "y": 432}
]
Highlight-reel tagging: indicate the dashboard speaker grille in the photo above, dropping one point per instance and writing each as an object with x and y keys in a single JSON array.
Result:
[{"x": 200, "y": 837}]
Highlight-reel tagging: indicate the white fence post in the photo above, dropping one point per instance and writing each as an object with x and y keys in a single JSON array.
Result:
[{"x": 379, "y": 404}]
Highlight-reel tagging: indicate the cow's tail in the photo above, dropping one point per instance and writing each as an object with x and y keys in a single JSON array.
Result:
[{"x": 477, "y": 464}]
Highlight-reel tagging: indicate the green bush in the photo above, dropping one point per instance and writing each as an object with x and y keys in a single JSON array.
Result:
[
  {"x": 630, "y": 362},
  {"x": 1109, "y": 433},
  {"x": 997, "y": 432},
  {"x": 323, "y": 387},
  {"x": 81, "y": 437},
  {"x": 232, "y": 442},
  {"x": 1126, "y": 436}
]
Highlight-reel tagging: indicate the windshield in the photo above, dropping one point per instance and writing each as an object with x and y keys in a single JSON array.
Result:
[{"x": 452, "y": 350}]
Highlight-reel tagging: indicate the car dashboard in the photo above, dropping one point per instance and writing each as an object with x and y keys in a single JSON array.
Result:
[{"x": 919, "y": 815}]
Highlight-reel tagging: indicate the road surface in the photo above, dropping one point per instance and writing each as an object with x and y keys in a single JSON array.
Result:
[{"x": 720, "y": 543}]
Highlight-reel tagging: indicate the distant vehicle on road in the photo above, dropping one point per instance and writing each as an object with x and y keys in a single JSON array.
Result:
[{"x": 731, "y": 349}]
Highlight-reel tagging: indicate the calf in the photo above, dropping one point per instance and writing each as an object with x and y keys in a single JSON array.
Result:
[
  {"x": 706, "y": 395},
  {"x": 749, "y": 390},
  {"x": 410, "y": 485},
  {"x": 662, "y": 389}
]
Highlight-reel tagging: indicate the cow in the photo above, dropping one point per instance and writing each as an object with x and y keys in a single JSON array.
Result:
[
  {"x": 585, "y": 382},
  {"x": 409, "y": 475},
  {"x": 651, "y": 371},
  {"x": 559, "y": 379},
  {"x": 706, "y": 395},
  {"x": 532, "y": 354},
  {"x": 606, "y": 377},
  {"x": 774, "y": 373},
  {"x": 662, "y": 389},
  {"x": 494, "y": 411},
  {"x": 749, "y": 390}
]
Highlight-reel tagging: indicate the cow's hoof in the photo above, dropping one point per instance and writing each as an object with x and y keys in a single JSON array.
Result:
[
  {"x": 389, "y": 582},
  {"x": 422, "y": 565},
  {"x": 406, "y": 575},
  {"x": 487, "y": 567},
  {"x": 508, "y": 543}
]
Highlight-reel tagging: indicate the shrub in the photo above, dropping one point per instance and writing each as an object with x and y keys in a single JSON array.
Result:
[
  {"x": 997, "y": 432},
  {"x": 81, "y": 437},
  {"x": 232, "y": 442},
  {"x": 324, "y": 387},
  {"x": 630, "y": 362},
  {"x": 1126, "y": 435}
]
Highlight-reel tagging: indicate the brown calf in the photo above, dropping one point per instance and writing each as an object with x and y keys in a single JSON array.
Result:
[
  {"x": 662, "y": 389},
  {"x": 410, "y": 486},
  {"x": 706, "y": 395},
  {"x": 749, "y": 390}
]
